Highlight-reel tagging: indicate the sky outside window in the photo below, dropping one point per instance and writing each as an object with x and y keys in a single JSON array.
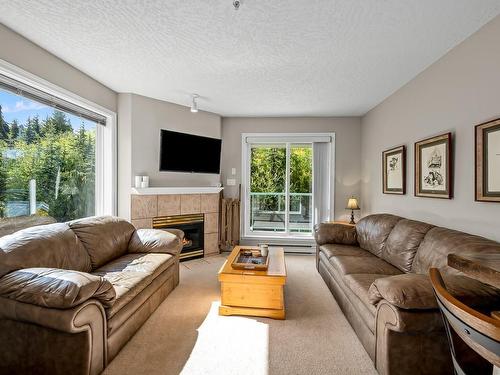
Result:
[{"x": 15, "y": 107}]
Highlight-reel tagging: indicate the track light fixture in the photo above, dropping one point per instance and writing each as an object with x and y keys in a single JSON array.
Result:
[{"x": 194, "y": 104}]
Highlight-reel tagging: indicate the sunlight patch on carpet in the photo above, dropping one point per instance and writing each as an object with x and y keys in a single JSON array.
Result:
[{"x": 229, "y": 345}]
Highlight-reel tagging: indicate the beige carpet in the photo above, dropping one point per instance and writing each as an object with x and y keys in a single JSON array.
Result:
[{"x": 186, "y": 335}]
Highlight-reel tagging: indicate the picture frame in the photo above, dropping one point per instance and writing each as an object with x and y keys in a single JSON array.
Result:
[
  {"x": 434, "y": 167},
  {"x": 394, "y": 171},
  {"x": 487, "y": 161}
]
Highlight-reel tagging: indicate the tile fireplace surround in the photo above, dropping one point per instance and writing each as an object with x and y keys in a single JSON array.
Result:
[{"x": 150, "y": 203}]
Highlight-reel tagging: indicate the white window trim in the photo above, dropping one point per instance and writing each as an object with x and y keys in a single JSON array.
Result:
[
  {"x": 279, "y": 138},
  {"x": 106, "y": 146}
]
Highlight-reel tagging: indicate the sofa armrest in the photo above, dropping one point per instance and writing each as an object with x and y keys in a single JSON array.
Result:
[
  {"x": 408, "y": 321},
  {"x": 56, "y": 288},
  {"x": 404, "y": 337},
  {"x": 88, "y": 317},
  {"x": 335, "y": 233},
  {"x": 406, "y": 291},
  {"x": 414, "y": 291},
  {"x": 156, "y": 241}
]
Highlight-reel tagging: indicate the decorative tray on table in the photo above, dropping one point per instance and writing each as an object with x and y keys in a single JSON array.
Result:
[{"x": 250, "y": 259}]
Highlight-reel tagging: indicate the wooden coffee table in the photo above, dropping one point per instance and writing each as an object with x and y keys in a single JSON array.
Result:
[{"x": 254, "y": 293}]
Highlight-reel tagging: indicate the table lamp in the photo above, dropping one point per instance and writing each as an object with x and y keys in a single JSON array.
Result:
[{"x": 352, "y": 204}]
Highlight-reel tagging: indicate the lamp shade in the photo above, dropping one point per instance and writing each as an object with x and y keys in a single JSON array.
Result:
[{"x": 352, "y": 204}]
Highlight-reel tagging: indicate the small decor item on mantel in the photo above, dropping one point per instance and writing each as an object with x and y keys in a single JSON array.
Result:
[
  {"x": 251, "y": 259},
  {"x": 488, "y": 161},
  {"x": 352, "y": 204},
  {"x": 394, "y": 170},
  {"x": 141, "y": 182},
  {"x": 137, "y": 181},
  {"x": 433, "y": 167}
]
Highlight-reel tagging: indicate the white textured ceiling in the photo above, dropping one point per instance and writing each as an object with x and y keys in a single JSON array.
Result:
[{"x": 269, "y": 58}]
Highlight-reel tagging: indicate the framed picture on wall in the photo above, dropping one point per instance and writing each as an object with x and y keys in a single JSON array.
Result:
[
  {"x": 394, "y": 170},
  {"x": 488, "y": 161},
  {"x": 433, "y": 167}
]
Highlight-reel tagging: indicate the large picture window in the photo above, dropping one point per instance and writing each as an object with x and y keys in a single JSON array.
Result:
[{"x": 52, "y": 159}]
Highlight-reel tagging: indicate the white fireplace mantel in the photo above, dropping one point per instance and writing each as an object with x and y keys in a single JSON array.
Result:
[{"x": 177, "y": 190}]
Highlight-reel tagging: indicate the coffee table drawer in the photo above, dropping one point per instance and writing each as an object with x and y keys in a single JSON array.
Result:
[{"x": 252, "y": 295}]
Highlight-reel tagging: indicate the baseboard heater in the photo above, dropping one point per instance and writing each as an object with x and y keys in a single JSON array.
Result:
[
  {"x": 292, "y": 248},
  {"x": 296, "y": 249}
]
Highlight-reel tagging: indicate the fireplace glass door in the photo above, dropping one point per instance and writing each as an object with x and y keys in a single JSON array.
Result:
[{"x": 193, "y": 228}]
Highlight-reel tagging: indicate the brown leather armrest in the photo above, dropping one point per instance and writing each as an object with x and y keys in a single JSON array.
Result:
[
  {"x": 56, "y": 288},
  {"x": 335, "y": 233},
  {"x": 408, "y": 321},
  {"x": 414, "y": 291},
  {"x": 156, "y": 241},
  {"x": 87, "y": 317}
]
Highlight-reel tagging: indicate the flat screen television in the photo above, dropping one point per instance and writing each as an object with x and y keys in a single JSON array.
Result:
[{"x": 180, "y": 152}]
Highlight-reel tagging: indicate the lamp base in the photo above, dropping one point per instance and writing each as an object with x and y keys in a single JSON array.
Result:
[{"x": 352, "y": 218}]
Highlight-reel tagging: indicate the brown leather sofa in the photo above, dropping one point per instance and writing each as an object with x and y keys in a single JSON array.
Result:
[
  {"x": 378, "y": 274},
  {"x": 72, "y": 294}
]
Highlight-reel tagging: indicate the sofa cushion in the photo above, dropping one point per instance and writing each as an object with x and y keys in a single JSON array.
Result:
[
  {"x": 335, "y": 233},
  {"x": 373, "y": 231},
  {"x": 55, "y": 288},
  {"x": 403, "y": 242},
  {"x": 364, "y": 311},
  {"x": 337, "y": 250},
  {"x": 104, "y": 237},
  {"x": 439, "y": 242},
  {"x": 414, "y": 291},
  {"x": 360, "y": 284},
  {"x": 140, "y": 306},
  {"x": 156, "y": 241},
  {"x": 347, "y": 265},
  {"x": 131, "y": 273},
  {"x": 52, "y": 246}
]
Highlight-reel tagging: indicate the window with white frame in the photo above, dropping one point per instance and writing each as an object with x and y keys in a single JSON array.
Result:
[
  {"x": 287, "y": 181},
  {"x": 56, "y": 152}
]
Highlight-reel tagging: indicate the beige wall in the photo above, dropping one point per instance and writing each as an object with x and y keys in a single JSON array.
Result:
[
  {"x": 140, "y": 121},
  {"x": 148, "y": 117},
  {"x": 347, "y": 149},
  {"x": 26, "y": 55},
  {"x": 124, "y": 154},
  {"x": 454, "y": 94}
]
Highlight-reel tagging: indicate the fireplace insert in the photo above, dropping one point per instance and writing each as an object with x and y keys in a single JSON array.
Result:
[{"x": 192, "y": 226}]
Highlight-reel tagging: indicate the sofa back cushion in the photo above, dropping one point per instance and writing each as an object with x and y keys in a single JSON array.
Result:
[
  {"x": 104, "y": 237},
  {"x": 52, "y": 246},
  {"x": 439, "y": 242},
  {"x": 403, "y": 242},
  {"x": 373, "y": 231}
]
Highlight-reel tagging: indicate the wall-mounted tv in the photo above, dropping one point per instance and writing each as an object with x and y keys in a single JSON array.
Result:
[{"x": 180, "y": 152}]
